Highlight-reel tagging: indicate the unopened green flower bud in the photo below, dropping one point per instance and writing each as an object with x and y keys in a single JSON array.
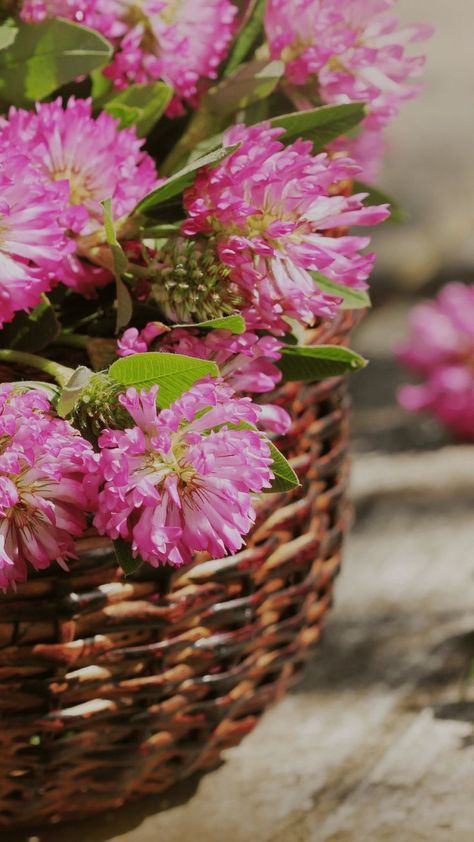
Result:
[
  {"x": 192, "y": 284},
  {"x": 97, "y": 407}
]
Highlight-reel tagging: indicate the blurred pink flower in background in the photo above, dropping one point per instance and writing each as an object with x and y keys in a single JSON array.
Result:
[{"x": 440, "y": 349}]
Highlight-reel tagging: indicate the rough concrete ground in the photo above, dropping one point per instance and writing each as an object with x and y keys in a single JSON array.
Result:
[{"x": 377, "y": 743}]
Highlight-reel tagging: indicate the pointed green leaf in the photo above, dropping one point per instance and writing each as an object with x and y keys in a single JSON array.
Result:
[
  {"x": 177, "y": 183},
  {"x": 47, "y": 55},
  {"x": 316, "y": 363},
  {"x": 139, "y": 105},
  {"x": 320, "y": 124},
  {"x": 235, "y": 324},
  {"x": 379, "y": 197},
  {"x": 174, "y": 373},
  {"x": 352, "y": 299},
  {"x": 123, "y": 553},
  {"x": 248, "y": 35},
  {"x": 285, "y": 477},
  {"x": 209, "y": 144}
]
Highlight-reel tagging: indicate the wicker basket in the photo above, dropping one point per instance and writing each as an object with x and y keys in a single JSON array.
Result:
[{"x": 111, "y": 689}]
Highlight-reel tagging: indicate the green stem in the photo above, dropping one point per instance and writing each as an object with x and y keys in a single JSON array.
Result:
[
  {"x": 72, "y": 340},
  {"x": 61, "y": 373}
]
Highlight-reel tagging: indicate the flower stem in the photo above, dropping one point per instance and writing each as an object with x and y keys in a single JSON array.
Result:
[
  {"x": 72, "y": 340},
  {"x": 61, "y": 373}
]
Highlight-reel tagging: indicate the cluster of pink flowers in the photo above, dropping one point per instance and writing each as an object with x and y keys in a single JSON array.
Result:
[
  {"x": 246, "y": 362},
  {"x": 273, "y": 213},
  {"x": 47, "y": 485},
  {"x": 62, "y": 163},
  {"x": 181, "y": 480},
  {"x": 349, "y": 51},
  {"x": 249, "y": 237},
  {"x": 173, "y": 482},
  {"x": 440, "y": 350},
  {"x": 181, "y": 42}
]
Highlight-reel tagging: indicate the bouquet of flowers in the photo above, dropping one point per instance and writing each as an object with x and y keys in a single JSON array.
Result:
[{"x": 179, "y": 184}]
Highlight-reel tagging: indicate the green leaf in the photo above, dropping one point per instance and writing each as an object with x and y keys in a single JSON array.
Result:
[
  {"x": 250, "y": 83},
  {"x": 209, "y": 144},
  {"x": 247, "y": 37},
  {"x": 285, "y": 477},
  {"x": 316, "y": 363},
  {"x": 320, "y": 124},
  {"x": 124, "y": 299},
  {"x": 73, "y": 388},
  {"x": 174, "y": 373},
  {"x": 378, "y": 197},
  {"x": 235, "y": 324},
  {"x": 8, "y": 33},
  {"x": 352, "y": 299},
  {"x": 175, "y": 184},
  {"x": 32, "y": 331},
  {"x": 123, "y": 553},
  {"x": 140, "y": 106},
  {"x": 102, "y": 86},
  {"x": 47, "y": 55}
]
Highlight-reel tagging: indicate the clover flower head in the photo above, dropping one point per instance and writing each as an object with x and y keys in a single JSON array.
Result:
[
  {"x": 181, "y": 480},
  {"x": 91, "y": 159},
  {"x": 32, "y": 239},
  {"x": 274, "y": 215},
  {"x": 352, "y": 50},
  {"x": 48, "y": 482}
]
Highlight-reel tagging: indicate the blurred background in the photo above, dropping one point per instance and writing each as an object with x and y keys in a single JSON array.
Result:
[{"x": 377, "y": 743}]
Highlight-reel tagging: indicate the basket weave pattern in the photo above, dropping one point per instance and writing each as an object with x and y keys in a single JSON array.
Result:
[{"x": 112, "y": 688}]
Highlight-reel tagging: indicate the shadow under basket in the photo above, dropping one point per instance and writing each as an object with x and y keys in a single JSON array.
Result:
[{"x": 111, "y": 689}]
